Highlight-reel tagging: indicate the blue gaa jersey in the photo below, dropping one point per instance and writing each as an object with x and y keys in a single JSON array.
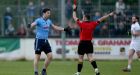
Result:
[{"x": 42, "y": 28}]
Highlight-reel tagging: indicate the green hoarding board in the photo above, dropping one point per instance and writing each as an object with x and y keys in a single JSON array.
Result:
[{"x": 9, "y": 44}]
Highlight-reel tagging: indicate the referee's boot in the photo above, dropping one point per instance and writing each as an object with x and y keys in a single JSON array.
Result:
[{"x": 43, "y": 72}]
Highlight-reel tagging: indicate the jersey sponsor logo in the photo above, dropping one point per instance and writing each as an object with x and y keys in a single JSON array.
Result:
[{"x": 46, "y": 27}]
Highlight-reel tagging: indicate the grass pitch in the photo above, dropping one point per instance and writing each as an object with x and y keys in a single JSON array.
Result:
[{"x": 68, "y": 68}]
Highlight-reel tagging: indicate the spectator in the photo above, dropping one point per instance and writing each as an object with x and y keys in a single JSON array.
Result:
[
  {"x": 42, "y": 6},
  {"x": 21, "y": 31},
  {"x": 120, "y": 7},
  {"x": 97, "y": 16},
  {"x": 121, "y": 30},
  {"x": 10, "y": 31},
  {"x": 128, "y": 14},
  {"x": 30, "y": 12},
  {"x": 76, "y": 30},
  {"x": 69, "y": 11},
  {"x": 97, "y": 29},
  {"x": 104, "y": 31},
  {"x": 87, "y": 6},
  {"x": 117, "y": 18},
  {"x": 128, "y": 11},
  {"x": 7, "y": 18}
]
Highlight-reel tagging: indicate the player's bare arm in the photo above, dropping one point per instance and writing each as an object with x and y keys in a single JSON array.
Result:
[
  {"x": 74, "y": 13},
  {"x": 67, "y": 29},
  {"x": 136, "y": 33},
  {"x": 55, "y": 27},
  {"x": 106, "y": 16}
]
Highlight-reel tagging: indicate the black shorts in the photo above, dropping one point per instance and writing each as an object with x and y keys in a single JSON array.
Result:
[
  {"x": 42, "y": 45},
  {"x": 85, "y": 47}
]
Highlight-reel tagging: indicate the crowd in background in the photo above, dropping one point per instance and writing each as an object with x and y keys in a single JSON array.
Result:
[{"x": 116, "y": 26}]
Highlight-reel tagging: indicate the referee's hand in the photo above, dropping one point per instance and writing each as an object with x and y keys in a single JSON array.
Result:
[
  {"x": 111, "y": 14},
  {"x": 74, "y": 7}
]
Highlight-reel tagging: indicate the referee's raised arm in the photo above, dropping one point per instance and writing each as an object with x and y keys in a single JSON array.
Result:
[{"x": 74, "y": 12}]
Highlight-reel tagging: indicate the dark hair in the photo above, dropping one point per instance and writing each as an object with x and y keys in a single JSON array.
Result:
[
  {"x": 87, "y": 16},
  {"x": 45, "y": 10},
  {"x": 137, "y": 18}
]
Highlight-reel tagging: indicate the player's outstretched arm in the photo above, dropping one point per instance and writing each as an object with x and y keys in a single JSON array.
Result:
[
  {"x": 55, "y": 27},
  {"x": 106, "y": 16},
  {"x": 74, "y": 12},
  {"x": 67, "y": 29}
]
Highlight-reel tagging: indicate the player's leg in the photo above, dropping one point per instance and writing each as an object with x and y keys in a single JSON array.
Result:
[
  {"x": 46, "y": 63},
  {"x": 138, "y": 54},
  {"x": 80, "y": 64},
  {"x": 93, "y": 63},
  {"x": 48, "y": 60},
  {"x": 36, "y": 61},
  {"x": 48, "y": 52},
  {"x": 37, "y": 47},
  {"x": 130, "y": 58}
]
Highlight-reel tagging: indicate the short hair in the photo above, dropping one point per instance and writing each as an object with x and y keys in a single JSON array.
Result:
[
  {"x": 87, "y": 16},
  {"x": 136, "y": 17},
  {"x": 45, "y": 10}
]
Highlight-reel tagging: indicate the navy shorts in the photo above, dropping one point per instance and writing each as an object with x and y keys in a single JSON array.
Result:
[
  {"x": 85, "y": 47},
  {"x": 42, "y": 45}
]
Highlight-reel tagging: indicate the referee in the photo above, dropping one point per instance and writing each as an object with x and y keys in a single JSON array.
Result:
[
  {"x": 85, "y": 46},
  {"x": 43, "y": 25}
]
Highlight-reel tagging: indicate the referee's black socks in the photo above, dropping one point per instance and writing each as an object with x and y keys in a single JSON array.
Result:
[
  {"x": 93, "y": 63},
  {"x": 80, "y": 66}
]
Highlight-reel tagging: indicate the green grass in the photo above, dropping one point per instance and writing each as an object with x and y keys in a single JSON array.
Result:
[{"x": 67, "y": 68}]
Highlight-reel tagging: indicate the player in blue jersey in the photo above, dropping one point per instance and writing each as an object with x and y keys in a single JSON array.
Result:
[{"x": 43, "y": 25}]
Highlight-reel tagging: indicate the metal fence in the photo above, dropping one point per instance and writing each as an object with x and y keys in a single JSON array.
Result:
[{"x": 14, "y": 19}]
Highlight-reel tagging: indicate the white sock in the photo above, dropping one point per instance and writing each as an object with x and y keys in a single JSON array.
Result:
[
  {"x": 78, "y": 72},
  {"x": 129, "y": 66},
  {"x": 139, "y": 59},
  {"x": 96, "y": 70}
]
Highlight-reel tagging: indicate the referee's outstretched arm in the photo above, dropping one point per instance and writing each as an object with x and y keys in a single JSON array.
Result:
[{"x": 106, "y": 16}]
